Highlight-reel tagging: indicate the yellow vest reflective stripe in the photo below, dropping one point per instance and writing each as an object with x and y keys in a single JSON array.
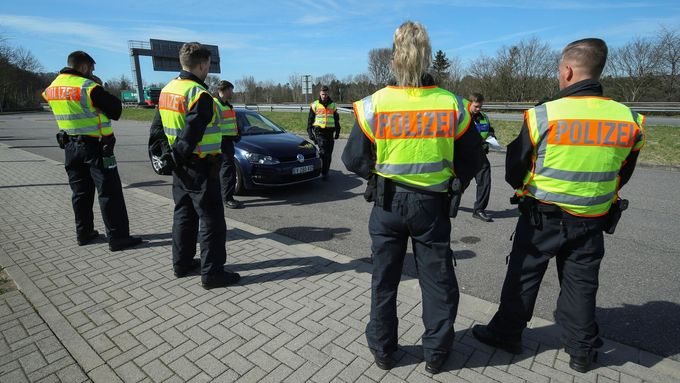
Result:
[
  {"x": 580, "y": 145},
  {"x": 178, "y": 97},
  {"x": 226, "y": 119},
  {"x": 325, "y": 115},
  {"x": 414, "y": 130},
  {"x": 69, "y": 99}
]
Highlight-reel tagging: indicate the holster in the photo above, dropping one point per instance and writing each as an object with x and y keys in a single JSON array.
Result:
[
  {"x": 384, "y": 193},
  {"x": 455, "y": 195},
  {"x": 529, "y": 207},
  {"x": 62, "y": 139},
  {"x": 614, "y": 215}
]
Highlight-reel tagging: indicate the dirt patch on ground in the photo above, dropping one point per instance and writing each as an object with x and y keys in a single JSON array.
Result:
[{"x": 6, "y": 283}]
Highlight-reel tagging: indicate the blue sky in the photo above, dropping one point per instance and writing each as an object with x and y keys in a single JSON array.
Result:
[{"x": 272, "y": 40}]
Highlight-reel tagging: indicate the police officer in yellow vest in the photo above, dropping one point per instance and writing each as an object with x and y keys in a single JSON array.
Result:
[
  {"x": 567, "y": 165},
  {"x": 189, "y": 117},
  {"x": 230, "y": 135},
  {"x": 410, "y": 141},
  {"x": 84, "y": 110},
  {"x": 323, "y": 127}
]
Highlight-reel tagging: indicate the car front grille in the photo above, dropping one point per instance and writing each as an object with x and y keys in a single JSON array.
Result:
[{"x": 294, "y": 158}]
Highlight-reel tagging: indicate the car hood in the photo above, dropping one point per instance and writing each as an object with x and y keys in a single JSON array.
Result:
[{"x": 277, "y": 145}]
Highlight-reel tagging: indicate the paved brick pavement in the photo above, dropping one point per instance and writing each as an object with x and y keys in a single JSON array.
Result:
[{"x": 298, "y": 314}]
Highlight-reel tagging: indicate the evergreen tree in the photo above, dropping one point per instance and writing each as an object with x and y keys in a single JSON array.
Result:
[{"x": 440, "y": 66}]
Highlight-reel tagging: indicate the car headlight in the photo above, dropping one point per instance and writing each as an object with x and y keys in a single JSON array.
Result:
[{"x": 257, "y": 158}]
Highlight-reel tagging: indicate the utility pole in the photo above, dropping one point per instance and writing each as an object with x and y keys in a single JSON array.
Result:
[{"x": 306, "y": 88}]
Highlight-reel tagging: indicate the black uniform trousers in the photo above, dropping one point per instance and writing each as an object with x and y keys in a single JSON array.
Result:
[
  {"x": 577, "y": 244},
  {"x": 483, "y": 180},
  {"x": 423, "y": 218},
  {"x": 198, "y": 215},
  {"x": 83, "y": 164},
  {"x": 325, "y": 141},
  {"x": 228, "y": 171}
]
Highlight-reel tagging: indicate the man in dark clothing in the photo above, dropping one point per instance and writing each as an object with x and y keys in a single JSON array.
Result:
[
  {"x": 483, "y": 177},
  {"x": 195, "y": 142},
  {"x": 83, "y": 110},
  {"x": 323, "y": 127},
  {"x": 230, "y": 136},
  {"x": 567, "y": 175}
]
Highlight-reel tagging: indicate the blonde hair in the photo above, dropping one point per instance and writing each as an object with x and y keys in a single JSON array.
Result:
[{"x": 411, "y": 53}]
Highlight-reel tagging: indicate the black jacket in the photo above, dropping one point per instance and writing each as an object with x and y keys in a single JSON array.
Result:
[
  {"x": 359, "y": 154},
  {"x": 312, "y": 117},
  {"x": 109, "y": 104},
  {"x": 197, "y": 119},
  {"x": 518, "y": 157}
]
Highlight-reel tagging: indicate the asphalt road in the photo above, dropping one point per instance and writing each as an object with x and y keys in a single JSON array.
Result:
[{"x": 639, "y": 296}]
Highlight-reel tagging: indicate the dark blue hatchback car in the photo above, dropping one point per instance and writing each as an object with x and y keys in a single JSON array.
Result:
[{"x": 265, "y": 156}]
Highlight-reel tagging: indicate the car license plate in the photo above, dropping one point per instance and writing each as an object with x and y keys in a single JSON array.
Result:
[{"x": 303, "y": 169}]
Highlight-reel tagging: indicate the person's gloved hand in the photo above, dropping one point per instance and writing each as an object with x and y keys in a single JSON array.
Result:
[
  {"x": 108, "y": 142},
  {"x": 485, "y": 147},
  {"x": 337, "y": 135}
]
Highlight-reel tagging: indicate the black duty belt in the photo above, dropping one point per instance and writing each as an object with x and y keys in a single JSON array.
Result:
[
  {"x": 83, "y": 138},
  {"x": 398, "y": 187}
]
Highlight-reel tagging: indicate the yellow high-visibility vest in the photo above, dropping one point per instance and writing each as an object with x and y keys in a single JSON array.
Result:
[
  {"x": 580, "y": 145},
  {"x": 69, "y": 98},
  {"x": 178, "y": 97},
  {"x": 226, "y": 119},
  {"x": 414, "y": 130},
  {"x": 325, "y": 115}
]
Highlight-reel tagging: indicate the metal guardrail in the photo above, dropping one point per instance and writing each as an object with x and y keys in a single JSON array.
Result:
[{"x": 659, "y": 107}]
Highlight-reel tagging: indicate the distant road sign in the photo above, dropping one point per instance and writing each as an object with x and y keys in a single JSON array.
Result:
[{"x": 165, "y": 56}]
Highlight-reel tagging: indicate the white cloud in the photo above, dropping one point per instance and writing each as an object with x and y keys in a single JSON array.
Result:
[
  {"x": 312, "y": 19},
  {"x": 49, "y": 29},
  {"x": 502, "y": 38}
]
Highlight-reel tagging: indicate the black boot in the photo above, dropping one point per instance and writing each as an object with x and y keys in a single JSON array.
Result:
[
  {"x": 87, "y": 238},
  {"x": 582, "y": 363},
  {"x": 212, "y": 281},
  {"x": 484, "y": 335},
  {"x": 116, "y": 244}
]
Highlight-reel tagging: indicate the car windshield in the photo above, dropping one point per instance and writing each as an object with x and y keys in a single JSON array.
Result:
[{"x": 251, "y": 123}]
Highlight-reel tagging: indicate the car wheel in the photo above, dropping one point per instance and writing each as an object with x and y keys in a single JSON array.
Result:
[
  {"x": 156, "y": 150},
  {"x": 239, "y": 188}
]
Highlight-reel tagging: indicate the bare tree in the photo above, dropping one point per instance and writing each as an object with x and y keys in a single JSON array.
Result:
[
  {"x": 669, "y": 56},
  {"x": 212, "y": 81},
  {"x": 535, "y": 70},
  {"x": 635, "y": 65},
  {"x": 379, "y": 66},
  {"x": 295, "y": 84},
  {"x": 247, "y": 87},
  {"x": 23, "y": 59}
]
